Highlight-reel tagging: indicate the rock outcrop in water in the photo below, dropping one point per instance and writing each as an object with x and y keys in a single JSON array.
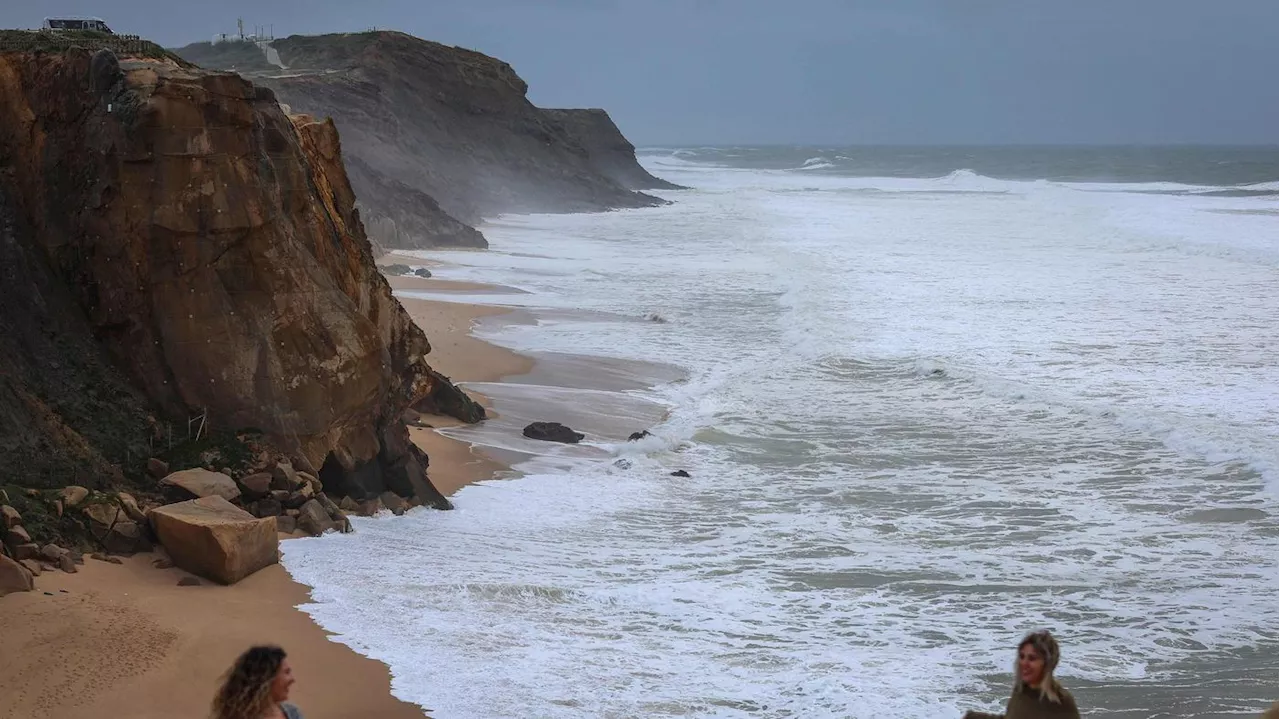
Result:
[
  {"x": 437, "y": 136},
  {"x": 173, "y": 245}
]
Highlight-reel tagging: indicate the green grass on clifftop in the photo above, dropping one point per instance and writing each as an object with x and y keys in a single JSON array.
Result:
[{"x": 91, "y": 40}]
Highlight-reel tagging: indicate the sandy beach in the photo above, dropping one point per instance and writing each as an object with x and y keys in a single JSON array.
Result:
[{"x": 127, "y": 641}]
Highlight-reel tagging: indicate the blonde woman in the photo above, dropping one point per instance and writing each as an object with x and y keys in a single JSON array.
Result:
[
  {"x": 257, "y": 687},
  {"x": 1036, "y": 694}
]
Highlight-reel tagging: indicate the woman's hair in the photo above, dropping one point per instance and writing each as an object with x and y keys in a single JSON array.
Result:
[
  {"x": 246, "y": 687},
  {"x": 1047, "y": 647}
]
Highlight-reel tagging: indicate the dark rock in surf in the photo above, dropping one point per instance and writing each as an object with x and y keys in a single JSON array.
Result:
[
  {"x": 636, "y": 436},
  {"x": 553, "y": 432},
  {"x": 680, "y": 473}
]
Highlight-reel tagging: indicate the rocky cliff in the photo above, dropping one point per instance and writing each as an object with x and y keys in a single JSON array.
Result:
[
  {"x": 608, "y": 150},
  {"x": 173, "y": 245},
  {"x": 437, "y": 136}
]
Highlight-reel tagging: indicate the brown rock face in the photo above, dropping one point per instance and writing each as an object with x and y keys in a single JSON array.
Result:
[
  {"x": 172, "y": 243},
  {"x": 215, "y": 539}
]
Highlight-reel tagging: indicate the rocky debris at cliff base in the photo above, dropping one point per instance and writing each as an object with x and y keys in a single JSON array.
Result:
[
  {"x": 553, "y": 432},
  {"x": 215, "y": 539},
  {"x": 106, "y": 558}
]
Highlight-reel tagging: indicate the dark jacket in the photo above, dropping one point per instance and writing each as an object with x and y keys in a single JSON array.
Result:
[{"x": 1031, "y": 703}]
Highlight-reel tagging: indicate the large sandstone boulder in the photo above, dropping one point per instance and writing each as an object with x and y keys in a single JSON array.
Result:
[
  {"x": 203, "y": 483},
  {"x": 14, "y": 577},
  {"x": 215, "y": 539}
]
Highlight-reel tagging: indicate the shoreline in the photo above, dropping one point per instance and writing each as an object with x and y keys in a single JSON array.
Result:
[{"x": 126, "y": 640}]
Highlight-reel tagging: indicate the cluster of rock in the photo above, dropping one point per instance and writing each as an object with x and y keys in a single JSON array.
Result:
[
  {"x": 208, "y": 523},
  {"x": 22, "y": 559},
  {"x": 406, "y": 270}
]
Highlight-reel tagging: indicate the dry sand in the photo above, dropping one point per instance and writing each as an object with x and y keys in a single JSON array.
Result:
[{"x": 126, "y": 641}]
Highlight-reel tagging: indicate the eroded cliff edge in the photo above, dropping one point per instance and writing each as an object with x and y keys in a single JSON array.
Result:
[
  {"x": 174, "y": 245},
  {"x": 437, "y": 137}
]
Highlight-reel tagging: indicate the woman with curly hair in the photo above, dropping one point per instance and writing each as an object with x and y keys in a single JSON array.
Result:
[
  {"x": 256, "y": 687},
  {"x": 1036, "y": 694}
]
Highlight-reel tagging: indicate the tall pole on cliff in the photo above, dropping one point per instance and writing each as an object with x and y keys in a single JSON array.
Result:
[{"x": 240, "y": 26}]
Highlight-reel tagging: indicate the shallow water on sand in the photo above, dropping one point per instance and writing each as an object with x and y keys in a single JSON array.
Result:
[{"x": 922, "y": 416}]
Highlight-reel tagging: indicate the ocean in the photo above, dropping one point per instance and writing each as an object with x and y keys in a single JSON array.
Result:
[{"x": 929, "y": 399}]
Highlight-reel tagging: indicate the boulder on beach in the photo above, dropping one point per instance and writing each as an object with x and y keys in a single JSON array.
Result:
[
  {"x": 312, "y": 518},
  {"x": 553, "y": 432},
  {"x": 14, "y": 577},
  {"x": 215, "y": 539},
  {"x": 422, "y": 272},
  {"x": 111, "y": 526},
  {"x": 203, "y": 483}
]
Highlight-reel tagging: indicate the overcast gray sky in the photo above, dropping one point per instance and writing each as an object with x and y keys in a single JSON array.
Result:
[{"x": 824, "y": 71}]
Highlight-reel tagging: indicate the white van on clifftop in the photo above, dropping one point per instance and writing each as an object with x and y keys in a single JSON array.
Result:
[{"x": 76, "y": 22}]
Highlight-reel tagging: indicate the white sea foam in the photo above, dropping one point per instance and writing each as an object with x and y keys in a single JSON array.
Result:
[{"x": 921, "y": 416}]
